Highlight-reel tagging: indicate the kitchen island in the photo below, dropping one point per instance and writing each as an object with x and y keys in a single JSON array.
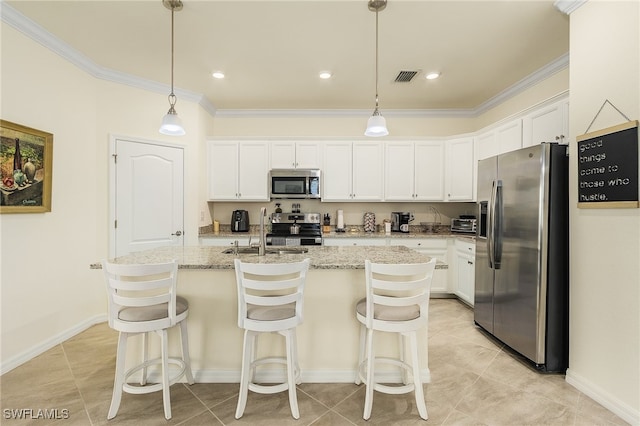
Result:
[{"x": 328, "y": 338}]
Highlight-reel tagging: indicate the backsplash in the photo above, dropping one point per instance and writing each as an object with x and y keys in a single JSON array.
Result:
[{"x": 353, "y": 212}]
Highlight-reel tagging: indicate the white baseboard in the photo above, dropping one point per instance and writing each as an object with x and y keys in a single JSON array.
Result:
[
  {"x": 619, "y": 408},
  {"x": 42, "y": 347}
]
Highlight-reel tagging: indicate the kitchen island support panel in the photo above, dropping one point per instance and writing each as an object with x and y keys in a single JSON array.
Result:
[{"x": 328, "y": 338}]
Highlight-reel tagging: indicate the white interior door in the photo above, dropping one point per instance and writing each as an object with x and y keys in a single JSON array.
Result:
[{"x": 148, "y": 200}]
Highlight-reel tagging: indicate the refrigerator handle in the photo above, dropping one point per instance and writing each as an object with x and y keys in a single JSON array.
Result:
[
  {"x": 497, "y": 226},
  {"x": 491, "y": 211}
]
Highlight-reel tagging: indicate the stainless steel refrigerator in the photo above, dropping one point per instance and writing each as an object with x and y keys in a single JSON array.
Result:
[{"x": 522, "y": 253}]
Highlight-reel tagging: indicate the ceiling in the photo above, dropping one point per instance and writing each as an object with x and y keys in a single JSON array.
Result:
[{"x": 273, "y": 51}]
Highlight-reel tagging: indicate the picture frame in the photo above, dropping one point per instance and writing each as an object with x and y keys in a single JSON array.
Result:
[{"x": 26, "y": 162}]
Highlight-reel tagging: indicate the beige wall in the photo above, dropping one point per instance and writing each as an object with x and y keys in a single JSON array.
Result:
[
  {"x": 605, "y": 244},
  {"x": 48, "y": 291}
]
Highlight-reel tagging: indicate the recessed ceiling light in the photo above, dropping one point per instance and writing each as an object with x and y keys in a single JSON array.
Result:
[
  {"x": 325, "y": 75},
  {"x": 432, "y": 75},
  {"x": 217, "y": 74}
]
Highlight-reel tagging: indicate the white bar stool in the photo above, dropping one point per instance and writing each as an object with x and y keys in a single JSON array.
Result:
[
  {"x": 270, "y": 300},
  {"x": 142, "y": 299},
  {"x": 397, "y": 301}
]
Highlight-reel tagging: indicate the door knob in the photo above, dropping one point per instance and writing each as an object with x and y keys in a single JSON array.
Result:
[{"x": 178, "y": 233}]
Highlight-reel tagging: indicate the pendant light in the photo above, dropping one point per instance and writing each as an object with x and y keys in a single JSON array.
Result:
[
  {"x": 171, "y": 123},
  {"x": 377, "y": 125}
]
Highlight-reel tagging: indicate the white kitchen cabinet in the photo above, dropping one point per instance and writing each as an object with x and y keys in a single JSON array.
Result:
[
  {"x": 433, "y": 247},
  {"x": 238, "y": 170},
  {"x": 487, "y": 145},
  {"x": 460, "y": 169},
  {"x": 464, "y": 275},
  {"x": 547, "y": 124},
  {"x": 505, "y": 138},
  {"x": 295, "y": 155},
  {"x": 353, "y": 171},
  {"x": 346, "y": 241},
  {"x": 242, "y": 239},
  {"x": 414, "y": 171},
  {"x": 509, "y": 136}
]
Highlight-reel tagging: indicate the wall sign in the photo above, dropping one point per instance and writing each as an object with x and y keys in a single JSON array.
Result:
[{"x": 608, "y": 168}]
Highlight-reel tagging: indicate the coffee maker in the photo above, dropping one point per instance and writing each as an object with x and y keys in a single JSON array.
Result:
[
  {"x": 400, "y": 221},
  {"x": 240, "y": 221}
]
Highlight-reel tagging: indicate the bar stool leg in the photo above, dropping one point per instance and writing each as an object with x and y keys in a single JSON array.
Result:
[
  {"x": 145, "y": 358},
  {"x": 291, "y": 377},
  {"x": 369, "y": 382},
  {"x": 417, "y": 379},
  {"x": 186, "y": 358},
  {"x": 119, "y": 376},
  {"x": 166, "y": 392},
  {"x": 246, "y": 372},
  {"x": 363, "y": 342}
]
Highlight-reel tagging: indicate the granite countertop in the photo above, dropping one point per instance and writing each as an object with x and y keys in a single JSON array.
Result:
[{"x": 322, "y": 257}]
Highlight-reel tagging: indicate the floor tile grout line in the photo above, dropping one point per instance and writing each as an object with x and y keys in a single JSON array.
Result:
[{"x": 75, "y": 383}]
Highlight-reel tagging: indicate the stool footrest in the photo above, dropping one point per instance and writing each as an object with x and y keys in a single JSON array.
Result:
[{"x": 142, "y": 389}]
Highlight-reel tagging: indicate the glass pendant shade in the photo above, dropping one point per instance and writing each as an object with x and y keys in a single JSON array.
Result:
[
  {"x": 376, "y": 126},
  {"x": 171, "y": 124}
]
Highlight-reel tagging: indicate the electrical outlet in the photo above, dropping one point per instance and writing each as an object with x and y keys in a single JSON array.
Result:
[{"x": 201, "y": 216}]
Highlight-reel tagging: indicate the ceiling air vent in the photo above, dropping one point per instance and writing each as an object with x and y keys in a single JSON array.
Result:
[{"x": 405, "y": 76}]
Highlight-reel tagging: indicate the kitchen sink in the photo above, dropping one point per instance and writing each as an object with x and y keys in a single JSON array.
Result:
[{"x": 269, "y": 250}]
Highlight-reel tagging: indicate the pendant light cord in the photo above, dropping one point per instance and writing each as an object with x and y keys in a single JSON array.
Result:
[
  {"x": 172, "y": 96},
  {"x": 377, "y": 59}
]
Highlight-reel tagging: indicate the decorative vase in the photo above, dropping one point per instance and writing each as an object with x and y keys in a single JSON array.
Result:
[
  {"x": 29, "y": 170},
  {"x": 369, "y": 222}
]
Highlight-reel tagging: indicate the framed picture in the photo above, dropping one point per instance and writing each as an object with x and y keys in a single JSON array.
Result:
[{"x": 26, "y": 166}]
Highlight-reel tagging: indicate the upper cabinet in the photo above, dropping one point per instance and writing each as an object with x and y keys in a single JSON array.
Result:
[
  {"x": 414, "y": 171},
  {"x": 352, "y": 171},
  {"x": 547, "y": 124},
  {"x": 507, "y": 137},
  {"x": 238, "y": 170},
  {"x": 295, "y": 155},
  {"x": 460, "y": 169}
]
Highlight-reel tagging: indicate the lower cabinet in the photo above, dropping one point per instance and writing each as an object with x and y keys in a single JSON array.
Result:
[
  {"x": 242, "y": 240},
  {"x": 463, "y": 272},
  {"x": 355, "y": 241},
  {"x": 433, "y": 247}
]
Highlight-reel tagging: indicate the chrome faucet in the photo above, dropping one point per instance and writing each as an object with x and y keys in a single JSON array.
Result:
[{"x": 263, "y": 236}]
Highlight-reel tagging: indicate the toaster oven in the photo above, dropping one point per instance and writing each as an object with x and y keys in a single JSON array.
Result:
[{"x": 463, "y": 226}]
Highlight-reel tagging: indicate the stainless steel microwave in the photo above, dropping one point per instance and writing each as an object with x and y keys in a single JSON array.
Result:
[
  {"x": 295, "y": 183},
  {"x": 464, "y": 225}
]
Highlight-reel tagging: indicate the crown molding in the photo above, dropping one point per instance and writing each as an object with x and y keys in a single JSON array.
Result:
[
  {"x": 568, "y": 6},
  {"x": 26, "y": 26},
  {"x": 34, "y": 31}
]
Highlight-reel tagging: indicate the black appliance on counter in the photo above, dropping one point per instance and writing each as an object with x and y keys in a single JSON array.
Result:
[
  {"x": 400, "y": 221},
  {"x": 295, "y": 229},
  {"x": 240, "y": 221}
]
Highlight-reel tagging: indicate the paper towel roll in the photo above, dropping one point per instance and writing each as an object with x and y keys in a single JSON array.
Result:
[{"x": 340, "y": 220}]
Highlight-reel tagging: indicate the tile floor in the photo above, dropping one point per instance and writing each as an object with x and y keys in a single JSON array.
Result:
[{"x": 474, "y": 382}]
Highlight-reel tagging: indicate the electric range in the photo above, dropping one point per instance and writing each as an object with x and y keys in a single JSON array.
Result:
[{"x": 282, "y": 224}]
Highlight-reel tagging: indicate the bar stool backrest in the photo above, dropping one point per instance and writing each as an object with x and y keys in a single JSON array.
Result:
[
  {"x": 403, "y": 288},
  {"x": 134, "y": 291},
  {"x": 273, "y": 290}
]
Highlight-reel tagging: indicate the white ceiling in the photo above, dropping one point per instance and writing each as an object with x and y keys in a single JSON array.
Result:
[{"x": 272, "y": 51}]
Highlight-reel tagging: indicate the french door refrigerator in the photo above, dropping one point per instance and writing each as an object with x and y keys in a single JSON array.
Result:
[{"x": 522, "y": 253}]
